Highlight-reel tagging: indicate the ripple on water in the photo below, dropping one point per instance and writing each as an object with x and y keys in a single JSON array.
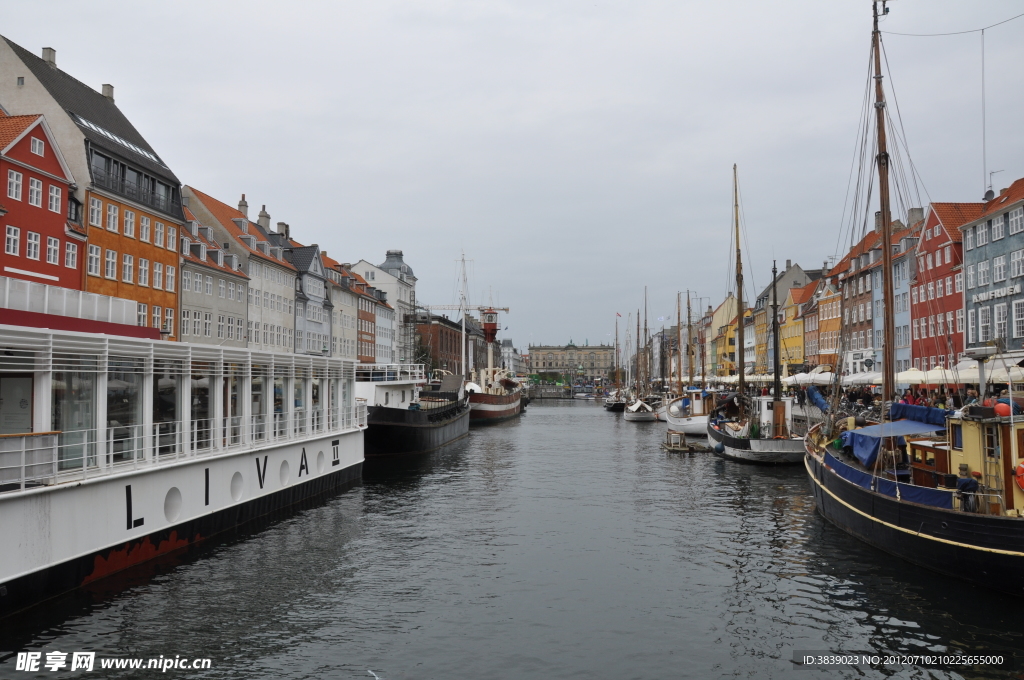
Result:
[{"x": 566, "y": 545}]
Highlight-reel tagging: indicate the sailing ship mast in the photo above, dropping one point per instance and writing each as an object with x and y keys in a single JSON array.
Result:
[
  {"x": 615, "y": 356},
  {"x": 739, "y": 363},
  {"x": 689, "y": 339},
  {"x": 778, "y": 408},
  {"x": 888, "y": 320},
  {"x": 679, "y": 349}
]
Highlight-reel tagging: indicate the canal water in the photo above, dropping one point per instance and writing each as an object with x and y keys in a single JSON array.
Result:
[{"x": 565, "y": 545}]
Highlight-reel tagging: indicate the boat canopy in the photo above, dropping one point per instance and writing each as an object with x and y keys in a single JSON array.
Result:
[
  {"x": 937, "y": 498},
  {"x": 923, "y": 414}
]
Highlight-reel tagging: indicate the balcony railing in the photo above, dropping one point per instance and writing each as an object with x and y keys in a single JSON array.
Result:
[
  {"x": 46, "y": 458},
  {"x": 131, "y": 190},
  {"x": 29, "y": 296},
  {"x": 390, "y": 372}
]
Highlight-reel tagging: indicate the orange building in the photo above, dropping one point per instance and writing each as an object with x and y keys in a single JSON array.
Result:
[{"x": 124, "y": 193}]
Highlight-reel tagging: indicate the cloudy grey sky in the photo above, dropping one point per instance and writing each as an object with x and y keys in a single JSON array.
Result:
[{"x": 576, "y": 151}]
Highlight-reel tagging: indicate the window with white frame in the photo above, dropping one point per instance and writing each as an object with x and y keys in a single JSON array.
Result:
[
  {"x": 186, "y": 317},
  {"x": 169, "y": 279},
  {"x": 71, "y": 255},
  {"x": 1017, "y": 263},
  {"x": 981, "y": 234},
  {"x": 197, "y": 324},
  {"x": 172, "y": 237},
  {"x": 143, "y": 272},
  {"x": 52, "y": 250},
  {"x": 127, "y": 268},
  {"x": 158, "y": 235},
  {"x": 959, "y": 321},
  {"x": 95, "y": 212},
  {"x": 158, "y": 275},
  {"x": 169, "y": 321},
  {"x": 157, "y": 316},
  {"x": 35, "y": 192},
  {"x": 913, "y": 294},
  {"x": 12, "y": 244},
  {"x": 221, "y": 287},
  {"x": 999, "y": 268},
  {"x": 93, "y": 261},
  {"x": 984, "y": 324},
  {"x": 129, "y": 224},
  {"x": 209, "y": 285},
  {"x": 983, "y": 273},
  {"x": 949, "y": 285},
  {"x": 37, "y": 146},
  {"x": 1016, "y": 220},
  {"x": 970, "y": 277},
  {"x": 32, "y": 245},
  {"x": 220, "y": 326},
  {"x": 997, "y": 227},
  {"x": 970, "y": 326},
  {"x": 969, "y": 238},
  {"x": 186, "y": 281},
  {"x": 1018, "y": 318},
  {"x": 143, "y": 315},
  {"x": 144, "y": 229},
  {"x": 14, "y": 180},
  {"x": 53, "y": 202},
  {"x": 1000, "y": 320},
  {"x": 112, "y": 218},
  {"x": 931, "y": 290},
  {"x": 958, "y": 281}
]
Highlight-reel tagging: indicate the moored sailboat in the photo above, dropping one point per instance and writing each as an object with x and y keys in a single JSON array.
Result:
[{"x": 869, "y": 479}]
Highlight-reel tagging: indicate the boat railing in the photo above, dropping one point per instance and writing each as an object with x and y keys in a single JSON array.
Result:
[
  {"x": 390, "y": 372},
  {"x": 979, "y": 503},
  {"x": 47, "y": 458}
]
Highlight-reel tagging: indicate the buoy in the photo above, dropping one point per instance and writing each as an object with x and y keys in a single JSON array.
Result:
[
  {"x": 720, "y": 448},
  {"x": 1018, "y": 475},
  {"x": 1002, "y": 410}
]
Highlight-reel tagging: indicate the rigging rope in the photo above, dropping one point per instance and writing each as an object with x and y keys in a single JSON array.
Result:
[{"x": 973, "y": 30}]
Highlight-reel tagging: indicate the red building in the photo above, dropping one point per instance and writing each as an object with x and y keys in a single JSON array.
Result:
[
  {"x": 936, "y": 295},
  {"x": 41, "y": 243}
]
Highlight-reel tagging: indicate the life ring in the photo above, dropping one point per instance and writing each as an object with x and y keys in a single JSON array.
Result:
[{"x": 1018, "y": 476}]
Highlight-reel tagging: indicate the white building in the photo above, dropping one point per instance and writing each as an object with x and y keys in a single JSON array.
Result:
[{"x": 396, "y": 279}]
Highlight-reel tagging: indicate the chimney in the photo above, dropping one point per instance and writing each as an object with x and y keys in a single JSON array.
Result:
[
  {"x": 1003, "y": 191},
  {"x": 243, "y": 207},
  {"x": 50, "y": 56},
  {"x": 264, "y": 219},
  {"x": 878, "y": 222},
  {"x": 915, "y": 215},
  {"x": 789, "y": 263},
  {"x": 282, "y": 228},
  {"x": 108, "y": 91},
  {"x": 184, "y": 201}
]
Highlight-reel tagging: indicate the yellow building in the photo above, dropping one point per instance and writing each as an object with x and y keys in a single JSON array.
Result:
[{"x": 715, "y": 340}]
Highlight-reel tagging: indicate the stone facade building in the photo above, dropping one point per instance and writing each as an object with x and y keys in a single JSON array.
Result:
[{"x": 587, "y": 361}]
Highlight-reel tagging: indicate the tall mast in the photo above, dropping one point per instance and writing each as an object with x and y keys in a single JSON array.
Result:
[
  {"x": 615, "y": 356},
  {"x": 888, "y": 322},
  {"x": 464, "y": 306},
  {"x": 689, "y": 339},
  {"x": 679, "y": 349},
  {"x": 740, "y": 363},
  {"x": 636, "y": 376},
  {"x": 777, "y": 384}
]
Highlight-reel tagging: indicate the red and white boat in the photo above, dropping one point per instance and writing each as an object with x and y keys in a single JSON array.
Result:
[{"x": 496, "y": 396}]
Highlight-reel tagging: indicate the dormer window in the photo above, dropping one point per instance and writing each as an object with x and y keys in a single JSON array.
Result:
[
  {"x": 193, "y": 228},
  {"x": 249, "y": 240},
  {"x": 186, "y": 245},
  {"x": 38, "y": 148},
  {"x": 278, "y": 253},
  {"x": 202, "y": 252}
]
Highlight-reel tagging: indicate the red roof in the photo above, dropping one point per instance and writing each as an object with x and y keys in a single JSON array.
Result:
[
  {"x": 803, "y": 294},
  {"x": 952, "y": 216},
  {"x": 225, "y": 214},
  {"x": 1014, "y": 193},
  {"x": 11, "y": 127},
  {"x": 211, "y": 246}
]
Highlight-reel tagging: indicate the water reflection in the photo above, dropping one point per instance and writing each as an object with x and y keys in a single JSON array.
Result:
[{"x": 567, "y": 544}]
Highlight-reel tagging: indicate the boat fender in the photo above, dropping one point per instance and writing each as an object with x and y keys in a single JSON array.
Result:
[
  {"x": 1018, "y": 476},
  {"x": 778, "y": 436},
  {"x": 719, "y": 447}
]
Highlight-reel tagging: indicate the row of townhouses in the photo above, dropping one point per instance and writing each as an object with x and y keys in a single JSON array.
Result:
[
  {"x": 957, "y": 273},
  {"x": 89, "y": 206}
]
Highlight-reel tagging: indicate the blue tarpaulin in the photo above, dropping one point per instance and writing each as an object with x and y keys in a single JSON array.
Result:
[
  {"x": 922, "y": 414},
  {"x": 907, "y": 492},
  {"x": 900, "y": 428},
  {"x": 815, "y": 396}
]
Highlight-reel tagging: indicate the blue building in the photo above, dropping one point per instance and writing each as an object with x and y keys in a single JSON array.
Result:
[{"x": 994, "y": 271}]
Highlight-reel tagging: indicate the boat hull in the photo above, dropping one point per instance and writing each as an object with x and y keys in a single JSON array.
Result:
[
  {"x": 640, "y": 416},
  {"x": 79, "y": 553},
  {"x": 487, "y": 409},
  {"x": 696, "y": 426},
  {"x": 983, "y": 549},
  {"x": 392, "y": 431},
  {"x": 615, "y": 406},
  {"x": 759, "y": 451}
]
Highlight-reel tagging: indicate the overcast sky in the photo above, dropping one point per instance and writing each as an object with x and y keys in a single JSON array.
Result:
[{"x": 576, "y": 151}]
